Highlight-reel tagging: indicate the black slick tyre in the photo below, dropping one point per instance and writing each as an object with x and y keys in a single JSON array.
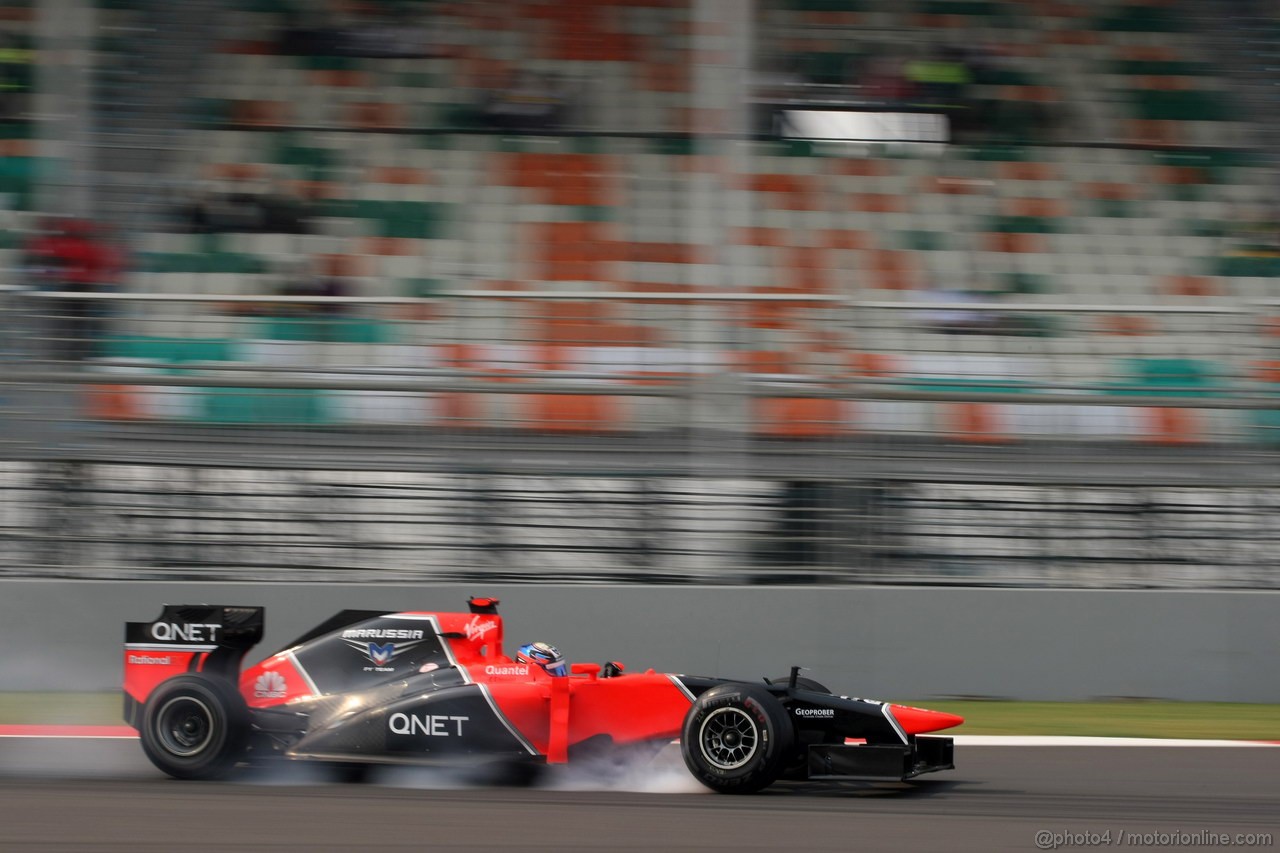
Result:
[
  {"x": 736, "y": 738},
  {"x": 195, "y": 727}
]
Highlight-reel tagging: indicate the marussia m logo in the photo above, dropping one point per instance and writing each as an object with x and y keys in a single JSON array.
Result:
[{"x": 380, "y": 654}]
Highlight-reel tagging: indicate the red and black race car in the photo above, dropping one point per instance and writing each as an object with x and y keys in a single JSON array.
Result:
[{"x": 436, "y": 688}]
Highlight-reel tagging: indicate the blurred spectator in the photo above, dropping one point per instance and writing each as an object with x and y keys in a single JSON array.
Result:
[
  {"x": 526, "y": 101},
  {"x": 1256, "y": 232},
  {"x": 953, "y": 314},
  {"x": 246, "y": 209},
  {"x": 283, "y": 212},
  {"x": 15, "y": 77},
  {"x": 884, "y": 79},
  {"x": 939, "y": 78},
  {"x": 73, "y": 256},
  {"x": 327, "y": 275},
  {"x": 972, "y": 311},
  {"x": 213, "y": 212},
  {"x": 39, "y": 255},
  {"x": 773, "y": 84},
  {"x": 376, "y": 31}
]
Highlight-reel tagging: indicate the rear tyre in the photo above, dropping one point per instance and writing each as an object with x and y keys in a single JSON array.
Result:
[
  {"x": 195, "y": 727},
  {"x": 736, "y": 738}
]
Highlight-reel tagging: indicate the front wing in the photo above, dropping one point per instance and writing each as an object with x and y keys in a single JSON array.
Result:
[{"x": 882, "y": 762}]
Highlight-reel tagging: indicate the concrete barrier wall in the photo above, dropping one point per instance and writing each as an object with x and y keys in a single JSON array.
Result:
[{"x": 879, "y": 642}]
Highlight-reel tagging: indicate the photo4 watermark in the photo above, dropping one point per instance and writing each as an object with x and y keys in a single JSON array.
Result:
[{"x": 1059, "y": 840}]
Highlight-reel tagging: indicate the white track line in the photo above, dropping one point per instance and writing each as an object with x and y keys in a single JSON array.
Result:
[
  {"x": 1060, "y": 740},
  {"x": 69, "y": 737}
]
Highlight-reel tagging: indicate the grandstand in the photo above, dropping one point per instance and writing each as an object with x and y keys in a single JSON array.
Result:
[
  {"x": 1133, "y": 199},
  {"x": 535, "y": 219}
]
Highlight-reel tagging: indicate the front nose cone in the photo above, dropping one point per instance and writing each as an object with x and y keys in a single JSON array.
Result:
[{"x": 915, "y": 721}]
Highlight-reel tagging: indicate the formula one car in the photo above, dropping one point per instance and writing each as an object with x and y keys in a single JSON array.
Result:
[{"x": 436, "y": 688}]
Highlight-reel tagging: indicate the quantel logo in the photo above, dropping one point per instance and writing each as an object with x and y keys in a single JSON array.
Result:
[{"x": 504, "y": 669}]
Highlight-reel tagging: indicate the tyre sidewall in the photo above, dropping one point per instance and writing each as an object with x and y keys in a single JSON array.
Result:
[
  {"x": 228, "y": 722},
  {"x": 772, "y": 725}
]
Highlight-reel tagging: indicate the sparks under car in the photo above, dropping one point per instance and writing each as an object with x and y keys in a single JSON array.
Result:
[{"x": 434, "y": 688}]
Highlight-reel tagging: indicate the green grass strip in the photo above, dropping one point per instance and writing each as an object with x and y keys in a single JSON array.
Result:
[{"x": 1213, "y": 720}]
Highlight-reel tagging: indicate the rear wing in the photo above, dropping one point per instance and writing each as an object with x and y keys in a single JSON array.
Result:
[{"x": 205, "y": 638}]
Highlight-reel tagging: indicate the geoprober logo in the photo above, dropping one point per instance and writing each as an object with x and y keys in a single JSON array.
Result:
[
  {"x": 826, "y": 713},
  {"x": 270, "y": 685}
]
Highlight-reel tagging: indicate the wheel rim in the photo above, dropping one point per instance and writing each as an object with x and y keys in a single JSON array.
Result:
[
  {"x": 728, "y": 738},
  {"x": 184, "y": 726}
]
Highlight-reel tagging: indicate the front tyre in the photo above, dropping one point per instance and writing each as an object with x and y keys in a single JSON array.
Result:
[
  {"x": 195, "y": 727},
  {"x": 736, "y": 738}
]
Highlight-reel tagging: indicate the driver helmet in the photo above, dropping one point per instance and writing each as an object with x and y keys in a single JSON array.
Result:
[{"x": 544, "y": 655}]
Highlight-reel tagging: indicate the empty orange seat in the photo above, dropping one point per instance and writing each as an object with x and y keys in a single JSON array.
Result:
[
  {"x": 1018, "y": 171},
  {"x": 1173, "y": 427},
  {"x": 798, "y": 417},
  {"x": 114, "y": 402},
  {"x": 1036, "y": 207},
  {"x": 757, "y": 236},
  {"x": 1191, "y": 285},
  {"x": 974, "y": 423},
  {"x": 375, "y": 116},
  {"x": 259, "y": 113}
]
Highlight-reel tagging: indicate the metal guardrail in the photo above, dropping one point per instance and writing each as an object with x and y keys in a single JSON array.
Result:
[{"x": 727, "y": 473}]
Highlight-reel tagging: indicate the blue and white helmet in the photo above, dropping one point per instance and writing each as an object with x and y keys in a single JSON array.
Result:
[{"x": 544, "y": 655}]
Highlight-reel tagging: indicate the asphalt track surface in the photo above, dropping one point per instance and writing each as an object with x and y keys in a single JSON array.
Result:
[{"x": 103, "y": 796}]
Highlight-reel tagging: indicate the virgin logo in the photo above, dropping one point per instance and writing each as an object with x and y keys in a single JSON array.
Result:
[{"x": 477, "y": 629}]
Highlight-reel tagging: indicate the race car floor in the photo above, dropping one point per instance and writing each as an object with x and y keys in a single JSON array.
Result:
[{"x": 103, "y": 795}]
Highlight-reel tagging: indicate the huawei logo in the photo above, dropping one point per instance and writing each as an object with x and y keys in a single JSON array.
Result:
[{"x": 270, "y": 685}]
